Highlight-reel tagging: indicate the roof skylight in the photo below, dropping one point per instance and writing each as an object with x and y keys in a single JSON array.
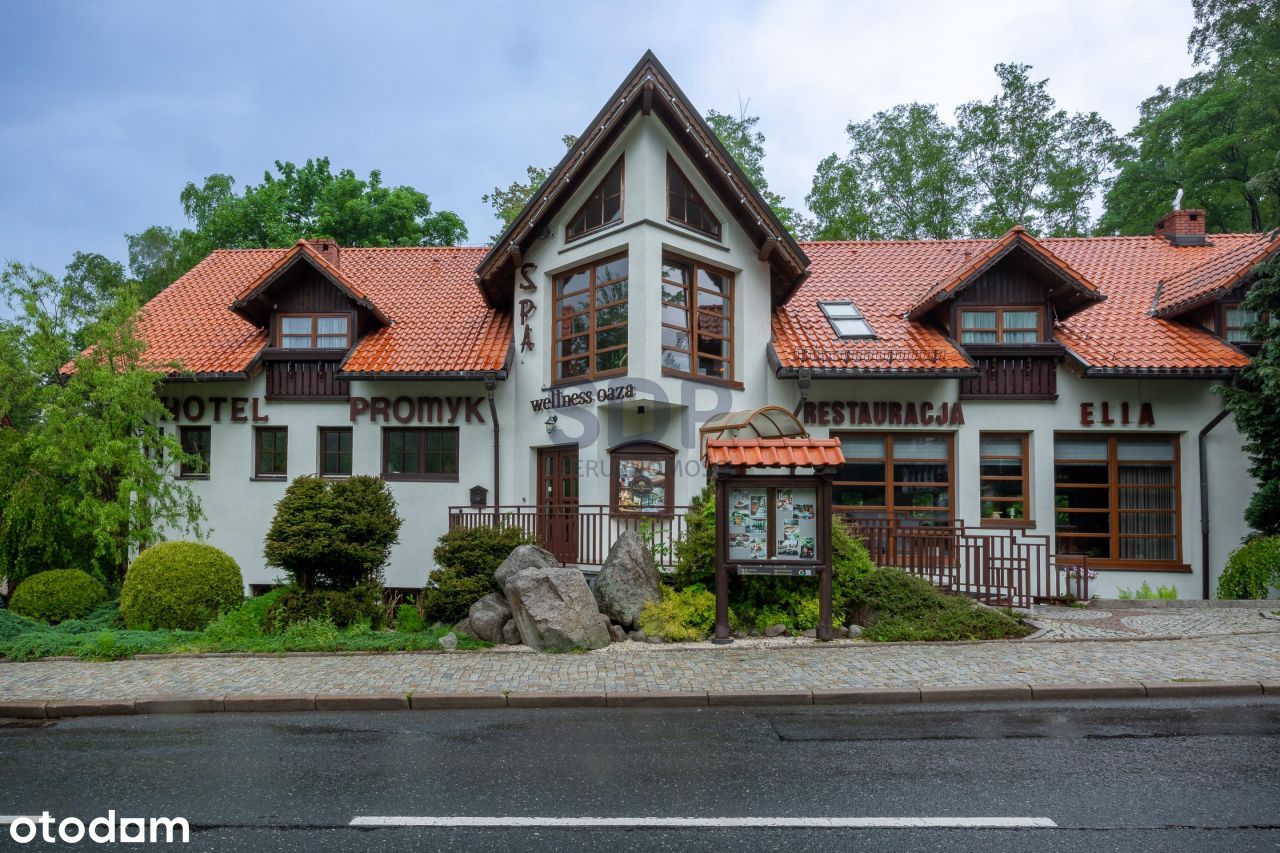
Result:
[{"x": 847, "y": 320}]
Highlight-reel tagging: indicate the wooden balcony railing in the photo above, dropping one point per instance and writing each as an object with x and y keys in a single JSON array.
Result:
[
  {"x": 305, "y": 379},
  {"x": 1012, "y": 377}
]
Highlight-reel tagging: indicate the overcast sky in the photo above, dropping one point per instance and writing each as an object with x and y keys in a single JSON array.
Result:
[{"x": 107, "y": 109}]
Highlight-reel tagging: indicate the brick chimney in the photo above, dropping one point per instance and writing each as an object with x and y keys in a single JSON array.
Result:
[
  {"x": 327, "y": 249},
  {"x": 1182, "y": 227}
]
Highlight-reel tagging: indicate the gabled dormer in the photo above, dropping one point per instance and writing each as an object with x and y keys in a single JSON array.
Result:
[{"x": 313, "y": 316}]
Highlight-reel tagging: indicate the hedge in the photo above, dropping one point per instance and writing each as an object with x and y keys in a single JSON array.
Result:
[{"x": 180, "y": 586}]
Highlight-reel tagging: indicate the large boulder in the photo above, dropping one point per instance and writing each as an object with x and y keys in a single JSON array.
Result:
[
  {"x": 628, "y": 580},
  {"x": 487, "y": 617},
  {"x": 555, "y": 611},
  {"x": 524, "y": 557}
]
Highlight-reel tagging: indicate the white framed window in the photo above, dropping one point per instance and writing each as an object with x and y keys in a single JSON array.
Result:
[{"x": 846, "y": 320}]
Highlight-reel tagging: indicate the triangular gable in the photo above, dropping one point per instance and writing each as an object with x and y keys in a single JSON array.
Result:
[
  {"x": 249, "y": 303},
  {"x": 1078, "y": 290},
  {"x": 647, "y": 89},
  {"x": 1213, "y": 279}
]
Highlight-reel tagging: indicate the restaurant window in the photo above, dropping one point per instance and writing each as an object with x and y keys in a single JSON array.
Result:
[
  {"x": 642, "y": 475},
  {"x": 313, "y": 331},
  {"x": 697, "y": 319},
  {"x": 590, "y": 322},
  {"x": 420, "y": 453},
  {"x": 335, "y": 452},
  {"x": 197, "y": 444},
  {"x": 906, "y": 476},
  {"x": 271, "y": 452},
  {"x": 1236, "y": 321},
  {"x": 846, "y": 320},
  {"x": 1002, "y": 474},
  {"x": 603, "y": 207},
  {"x": 1116, "y": 498},
  {"x": 1019, "y": 325},
  {"x": 685, "y": 206}
]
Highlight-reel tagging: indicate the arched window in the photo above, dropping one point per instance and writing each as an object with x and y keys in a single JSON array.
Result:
[{"x": 643, "y": 477}]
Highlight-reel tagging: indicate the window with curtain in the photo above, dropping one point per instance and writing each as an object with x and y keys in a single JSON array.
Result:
[
  {"x": 1117, "y": 498},
  {"x": 697, "y": 319},
  {"x": 1002, "y": 474},
  {"x": 590, "y": 322},
  {"x": 905, "y": 475},
  {"x": 313, "y": 331},
  {"x": 1020, "y": 325},
  {"x": 1236, "y": 321}
]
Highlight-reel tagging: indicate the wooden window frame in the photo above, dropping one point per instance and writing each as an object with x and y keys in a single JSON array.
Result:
[
  {"x": 558, "y": 323},
  {"x": 718, "y": 233},
  {"x": 889, "y": 509},
  {"x": 185, "y": 471},
  {"x": 421, "y": 475},
  {"x": 338, "y": 454},
  {"x": 695, "y": 313},
  {"x": 645, "y": 451},
  {"x": 1024, "y": 480},
  {"x": 618, "y": 167},
  {"x": 314, "y": 317},
  {"x": 258, "y": 433},
  {"x": 1225, "y": 329},
  {"x": 1114, "y": 511},
  {"x": 999, "y": 328}
]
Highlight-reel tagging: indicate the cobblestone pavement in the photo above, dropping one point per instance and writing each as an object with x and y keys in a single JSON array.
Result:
[
  {"x": 643, "y": 667},
  {"x": 1059, "y": 623}
]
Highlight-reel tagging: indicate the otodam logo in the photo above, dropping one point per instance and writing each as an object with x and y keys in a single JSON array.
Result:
[{"x": 100, "y": 830}]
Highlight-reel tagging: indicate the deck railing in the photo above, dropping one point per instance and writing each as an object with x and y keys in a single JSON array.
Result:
[{"x": 991, "y": 564}]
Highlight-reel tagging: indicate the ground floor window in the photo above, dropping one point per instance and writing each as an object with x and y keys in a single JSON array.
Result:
[
  {"x": 271, "y": 452},
  {"x": 642, "y": 477},
  {"x": 197, "y": 442},
  {"x": 905, "y": 475},
  {"x": 1002, "y": 474},
  {"x": 420, "y": 454},
  {"x": 335, "y": 452},
  {"x": 1117, "y": 498}
]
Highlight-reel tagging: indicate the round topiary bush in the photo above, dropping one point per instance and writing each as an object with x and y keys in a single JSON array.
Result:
[
  {"x": 57, "y": 595},
  {"x": 180, "y": 585}
]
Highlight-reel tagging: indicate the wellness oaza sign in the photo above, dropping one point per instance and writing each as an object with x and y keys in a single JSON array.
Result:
[{"x": 401, "y": 410}]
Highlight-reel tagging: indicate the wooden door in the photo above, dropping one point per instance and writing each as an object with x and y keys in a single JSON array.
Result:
[{"x": 558, "y": 501}]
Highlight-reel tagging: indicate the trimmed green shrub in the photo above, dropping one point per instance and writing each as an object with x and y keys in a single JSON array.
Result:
[
  {"x": 900, "y": 606},
  {"x": 57, "y": 595},
  {"x": 467, "y": 557},
  {"x": 681, "y": 615},
  {"x": 409, "y": 620},
  {"x": 180, "y": 585},
  {"x": 333, "y": 534},
  {"x": 340, "y": 608},
  {"x": 1252, "y": 569}
]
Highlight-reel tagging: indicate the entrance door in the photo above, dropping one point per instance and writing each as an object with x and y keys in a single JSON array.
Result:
[{"x": 558, "y": 501}]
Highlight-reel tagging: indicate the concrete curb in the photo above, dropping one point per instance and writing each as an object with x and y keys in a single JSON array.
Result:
[{"x": 851, "y": 696}]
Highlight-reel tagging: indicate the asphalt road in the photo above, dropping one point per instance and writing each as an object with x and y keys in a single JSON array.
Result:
[{"x": 1138, "y": 776}]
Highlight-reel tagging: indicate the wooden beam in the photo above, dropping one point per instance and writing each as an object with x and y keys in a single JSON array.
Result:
[
  {"x": 513, "y": 249},
  {"x": 766, "y": 249},
  {"x": 646, "y": 104}
]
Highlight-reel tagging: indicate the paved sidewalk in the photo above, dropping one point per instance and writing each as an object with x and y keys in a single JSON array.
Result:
[
  {"x": 632, "y": 667},
  {"x": 1058, "y": 623}
]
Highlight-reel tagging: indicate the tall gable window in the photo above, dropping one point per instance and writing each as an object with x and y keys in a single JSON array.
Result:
[
  {"x": 1019, "y": 325},
  {"x": 685, "y": 206},
  {"x": 603, "y": 207},
  {"x": 697, "y": 319},
  {"x": 313, "y": 331},
  {"x": 846, "y": 320},
  {"x": 590, "y": 324}
]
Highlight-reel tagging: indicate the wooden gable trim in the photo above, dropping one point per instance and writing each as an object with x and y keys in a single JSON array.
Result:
[{"x": 251, "y": 303}]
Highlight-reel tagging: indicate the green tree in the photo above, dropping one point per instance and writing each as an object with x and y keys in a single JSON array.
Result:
[
  {"x": 903, "y": 179},
  {"x": 85, "y": 474},
  {"x": 746, "y": 144},
  {"x": 507, "y": 203},
  {"x": 1032, "y": 163},
  {"x": 1254, "y": 401}
]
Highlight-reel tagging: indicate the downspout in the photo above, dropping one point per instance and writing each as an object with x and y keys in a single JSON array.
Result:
[
  {"x": 804, "y": 376},
  {"x": 490, "y": 384},
  {"x": 1204, "y": 502}
]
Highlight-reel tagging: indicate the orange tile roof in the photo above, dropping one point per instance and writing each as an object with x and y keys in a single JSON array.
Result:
[
  {"x": 775, "y": 452},
  {"x": 439, "y": 322},
  {"x": 886, "y": 279},
  {"x": 1214, "y": 277}
]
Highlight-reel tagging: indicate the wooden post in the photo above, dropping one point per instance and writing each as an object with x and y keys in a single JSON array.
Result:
[
  {"x": 722, "y": 552},
  {"x": 825, "y": 633}
]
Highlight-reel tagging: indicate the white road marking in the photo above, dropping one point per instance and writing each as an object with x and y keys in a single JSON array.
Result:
[
  {"x": 7, "y": 819},
  {"x": 715, "y": 822}
]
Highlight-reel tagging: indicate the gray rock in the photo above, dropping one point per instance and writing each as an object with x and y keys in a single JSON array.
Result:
[
  {"x": 487, "y": 616},
  {"x": 554, "y": 610},
  {"x": 811, "y": 633},
  {"x": 463, "y": 627},
  {"x": 628, "y": 580},
  {"x": 854, "y": 630},
  {"x": 511, "y": 633},
  {"x": 841, "y": 633},
  {"x": 775, "y": 630},
  {"x": 449, "y": 641},
  {"x": 657, "y": 641},
  {"x": 638, "y": 636},
  {"x": 617, "y": 633},
  {"x": 524, "y": 557}
]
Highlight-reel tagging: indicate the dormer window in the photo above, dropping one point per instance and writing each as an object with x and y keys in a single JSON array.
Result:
[
  {"x": 1017, "y": 325},
  {"x": 1236, "y": 320},
  {"x": 846, "y": 320},
  {"x": 603, "y": 207},
  {"x": 314, "y": 331},
  {"x": 684, "y": 205}
]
